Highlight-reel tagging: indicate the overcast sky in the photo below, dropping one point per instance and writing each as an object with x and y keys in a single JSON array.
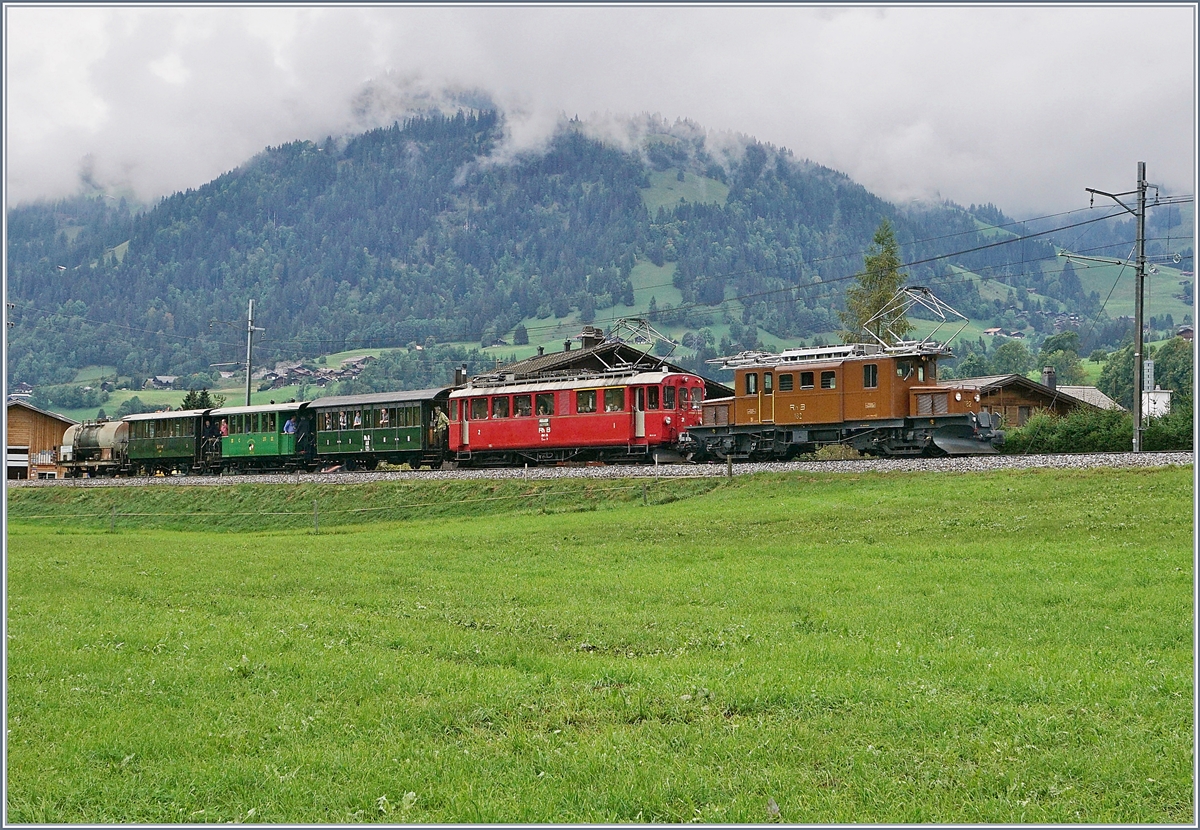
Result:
[{"x": 1020, "y": 106}]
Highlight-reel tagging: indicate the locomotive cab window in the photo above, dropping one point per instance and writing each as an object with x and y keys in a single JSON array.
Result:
[
  {"x": 479, "y": 409},
  {"x": 652, "y": 397},
  {"x": 614, "y": 400},
  {"x": 751, "y": 383},
  {"x": 768, "y": 383},
  {"x": 870, "y": 375},
  {"x": 500, "y": 407},
  {"x": 904, "y": 369},
  {"x": 522, "y": 405},
  {"x": 668, "y": 397},
  {"x": 585, "y": 401},
  {"x": 806, "y": 380},
  {"x": 785, "y": 382},
  {"x": 829, "y": 380}
]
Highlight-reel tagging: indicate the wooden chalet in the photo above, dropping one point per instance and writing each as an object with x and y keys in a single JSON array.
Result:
[
  {"x": 33, "y": 439},
  {"x": 600, "y": 354},
  {"x": 1016, "y": 397}
]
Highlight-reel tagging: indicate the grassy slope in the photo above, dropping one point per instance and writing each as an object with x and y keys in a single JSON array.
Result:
[{"x": 1012, "y": 647}]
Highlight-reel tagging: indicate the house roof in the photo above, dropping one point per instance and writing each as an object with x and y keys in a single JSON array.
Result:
[
  {"x": 1091, "y": 395},
  {"x": 606, "y": 356},
  {"x": 27, "y": 405}
]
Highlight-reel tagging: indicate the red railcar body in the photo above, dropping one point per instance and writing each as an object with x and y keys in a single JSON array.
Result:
[{"x": 610, "y": 418}]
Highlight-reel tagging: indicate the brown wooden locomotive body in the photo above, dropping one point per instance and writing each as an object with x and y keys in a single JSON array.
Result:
[{"x": 880, "y": 401}]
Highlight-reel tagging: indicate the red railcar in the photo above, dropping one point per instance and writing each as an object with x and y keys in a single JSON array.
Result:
[{"x": 629, "y": 417}]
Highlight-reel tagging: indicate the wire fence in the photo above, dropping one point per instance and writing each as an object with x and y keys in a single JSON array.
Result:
[{"x": 582, "y": 496}]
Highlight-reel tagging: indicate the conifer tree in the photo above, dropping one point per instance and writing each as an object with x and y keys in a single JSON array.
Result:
[{"x": 879, "y": 281}]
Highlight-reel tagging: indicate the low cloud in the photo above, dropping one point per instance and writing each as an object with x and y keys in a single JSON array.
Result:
[{"x": 1017, "y": 106}]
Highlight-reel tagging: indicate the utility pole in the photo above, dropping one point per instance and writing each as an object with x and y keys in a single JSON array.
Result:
[
  {"x": 1138, "y": 293},
  {"x": 250, "y": 329}
]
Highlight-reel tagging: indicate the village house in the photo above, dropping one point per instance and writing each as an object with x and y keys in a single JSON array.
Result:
[{"x": 34, "y": 439}]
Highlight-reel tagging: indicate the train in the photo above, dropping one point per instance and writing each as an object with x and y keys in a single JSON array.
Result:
[
  {"x": 882, "y": 399},
  {"x": 881, "y": 403}
]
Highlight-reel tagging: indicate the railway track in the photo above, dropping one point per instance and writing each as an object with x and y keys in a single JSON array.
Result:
[{"x": 964, "y": 464}]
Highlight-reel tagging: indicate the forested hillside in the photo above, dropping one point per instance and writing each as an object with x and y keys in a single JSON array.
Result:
[{"x": 414, "y": 234}]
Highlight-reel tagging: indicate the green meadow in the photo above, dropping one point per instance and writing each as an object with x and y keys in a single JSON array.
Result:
[{"x": 871, "y": 648}]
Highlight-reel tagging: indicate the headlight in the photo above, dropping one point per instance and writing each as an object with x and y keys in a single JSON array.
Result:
[{"x": 958, "y": 396}]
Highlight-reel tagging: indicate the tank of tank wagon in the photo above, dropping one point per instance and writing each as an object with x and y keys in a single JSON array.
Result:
[{"x": 95, "y": 448}]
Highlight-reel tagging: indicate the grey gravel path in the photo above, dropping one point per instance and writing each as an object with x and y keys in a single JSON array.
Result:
[{"x": 951, "y": 465}]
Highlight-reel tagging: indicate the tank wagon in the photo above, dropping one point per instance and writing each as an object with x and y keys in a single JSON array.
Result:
[{"x": 95, "y": 448}]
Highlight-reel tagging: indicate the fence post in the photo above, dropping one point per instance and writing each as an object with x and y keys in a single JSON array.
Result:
[
  {"x": 729, "y": 467},
  {"x": 112, "y": 520},
  {"x": 316, "y": 528},
  {"x": 644, "y": 502}
]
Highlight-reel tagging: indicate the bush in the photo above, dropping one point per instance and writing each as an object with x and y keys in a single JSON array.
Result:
[
  {"x": 1088, "y": 430},
  {"x": 1084, "y": 430},
  {"x": 1174, "y": 432}
]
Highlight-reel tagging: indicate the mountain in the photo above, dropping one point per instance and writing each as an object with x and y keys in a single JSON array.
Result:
[{"x": 430, "y": 232}]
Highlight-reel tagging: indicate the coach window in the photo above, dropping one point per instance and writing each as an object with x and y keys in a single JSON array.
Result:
[
  {"x": 652, "y": 397},
  {"x": 829, "y": 380},
  {"x": 522, "y": 405},
  {"x": 752, "y": 383},
  {"x": 271, "y": 422},
  {"x": 768, "y": 384},
  {"x": 545, "y": 403},
  {"x": 668, "y": 397},
  {"x": 870, "y": 375},
  {"x": 585, "y": 401},
  {"x": 500, "y": 407},
  {"x": 785, "y": 382},
  {"x": 341, "y": 419},
  {"x": 479, "y": 408},
  {"x": 806, "y": 380},
  {"x": 614, "y": 400}
]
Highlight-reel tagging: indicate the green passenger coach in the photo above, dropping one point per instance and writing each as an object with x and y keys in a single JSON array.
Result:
[
  {"x": 164, "y": 442},
  {"x": 259, "y": 438},
  {"x": 360, "y": 431}
]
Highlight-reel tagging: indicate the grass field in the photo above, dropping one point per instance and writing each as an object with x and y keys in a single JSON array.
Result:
[{"x": 1009, "y": 647}]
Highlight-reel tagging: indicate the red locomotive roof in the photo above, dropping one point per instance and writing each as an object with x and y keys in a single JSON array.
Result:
[{"x": 518, "y": 387}]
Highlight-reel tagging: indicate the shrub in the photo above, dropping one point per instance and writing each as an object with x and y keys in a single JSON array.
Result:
[{"x": 1090, "y": 430}]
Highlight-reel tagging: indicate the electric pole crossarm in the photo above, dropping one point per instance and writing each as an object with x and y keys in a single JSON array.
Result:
[
  {"x": 1103, "y": 259},
  {"x": 1114, "y": 196}
]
